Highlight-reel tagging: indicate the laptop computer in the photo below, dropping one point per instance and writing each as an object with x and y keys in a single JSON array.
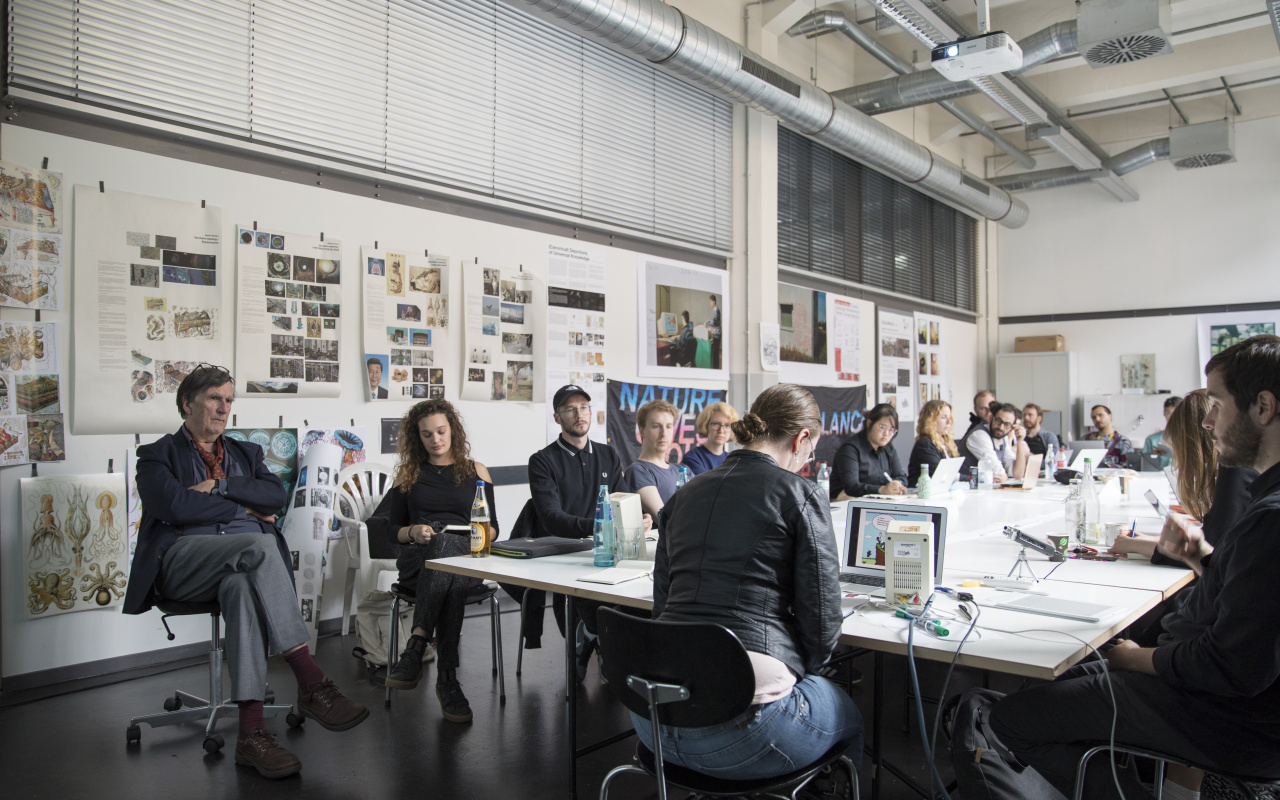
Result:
[
  {"x": 1094, "y": 451},
  {"x": 864, "y": 537},
  {"x": 946, "y": 473},
  {"x": 1031, "y": 476}
]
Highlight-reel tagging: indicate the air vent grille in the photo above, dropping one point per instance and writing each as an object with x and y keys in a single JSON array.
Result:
[
  {"x": 975, "y": 184},
  {"x": 770, "y": 76},
  {"x": 1205, "y": 160},
  {"x": 1124, "y": 49}
]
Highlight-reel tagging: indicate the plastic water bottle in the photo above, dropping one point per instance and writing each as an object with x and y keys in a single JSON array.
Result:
[
  {"x": 683, "y": 475},
  {"x": 824, "y": 479},
  {"x": 1071, "y": 511},
  {"x": 1090, "y": 512},
  {"x": 602, "y": 532},
  {"x": 925, "y": 484},
  {"x": 1049, "y": 461}
]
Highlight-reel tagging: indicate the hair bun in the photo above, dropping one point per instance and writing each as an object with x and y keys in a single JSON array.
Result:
[{"x": 749, "y": 428}]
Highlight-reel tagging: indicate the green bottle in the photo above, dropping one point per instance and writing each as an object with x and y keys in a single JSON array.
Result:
[{"x": 924, "y": 485}]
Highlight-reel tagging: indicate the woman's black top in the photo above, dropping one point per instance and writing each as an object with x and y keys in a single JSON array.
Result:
[
  {"x": 859, "y": 468},
  {"x": 924, "y": 452},
  {"x": 1230, "y": 499},
  {"x": 436, "y": 499}
]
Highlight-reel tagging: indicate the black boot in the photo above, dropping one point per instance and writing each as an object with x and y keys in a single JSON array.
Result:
[
  {"x": 453, "y": 703},
  {"x": 408, "y": 670}
]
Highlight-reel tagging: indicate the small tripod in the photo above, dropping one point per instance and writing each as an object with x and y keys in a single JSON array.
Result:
[{"x": 1020, "y": 564}]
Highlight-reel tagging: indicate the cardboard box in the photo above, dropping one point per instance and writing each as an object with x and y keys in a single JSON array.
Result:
[{"x": 1039, "y": 344}]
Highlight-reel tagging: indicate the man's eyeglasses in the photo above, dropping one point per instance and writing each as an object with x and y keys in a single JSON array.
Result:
[
  {"x": 576, "y": 411},
  {"x": 202, "y": 366}
]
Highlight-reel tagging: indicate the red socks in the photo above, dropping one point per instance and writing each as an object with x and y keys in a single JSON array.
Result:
[
  {"x": 250, "y": 716},
  {"x": 304, "y": 667}
]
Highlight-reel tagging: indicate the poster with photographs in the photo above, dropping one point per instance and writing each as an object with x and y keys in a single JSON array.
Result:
[
  {"x": 897, "y": 373},
  {"x": 575, "y": 326},
  {"x": 31, "y": 410},
  {"x": 931, "y": 362},
  {"x": 289, "y": 314},
  {"x": 406, "y": 324},
  {"x": 682, "y": 318},
  {"x": 502, "y": 348},
  {"x": 74, "y": 543},
  {"x": 31, "y": 243},
  {"x": 820, "y": 337},
  {"x": 1217, "y": 332},
  {"x": 279, "y": 453},
  {"x": 151, "y": 287}
]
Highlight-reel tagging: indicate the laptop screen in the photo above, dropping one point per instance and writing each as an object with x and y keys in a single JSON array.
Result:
[{"x": 867, "y": 522}]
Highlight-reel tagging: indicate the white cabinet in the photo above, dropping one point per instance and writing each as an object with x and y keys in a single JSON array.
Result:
[{"x": 1046, "y": 379}]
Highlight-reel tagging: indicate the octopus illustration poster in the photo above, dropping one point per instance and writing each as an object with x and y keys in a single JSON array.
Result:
[
  {"x": 150, "y": 292},
  {"x": 406, "y": 324},
  {"x": 503, "y": 341},
  {"x": 74, "y": 543},
  {"x": 31, "y": 244},
  {"x": 289, "y": 314}
]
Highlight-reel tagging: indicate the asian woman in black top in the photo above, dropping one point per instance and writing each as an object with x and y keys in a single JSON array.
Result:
[
  {"x": 865, "y": 458},
  {"x": 435, "y": 485}
]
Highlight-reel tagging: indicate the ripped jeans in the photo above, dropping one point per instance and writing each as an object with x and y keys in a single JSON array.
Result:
[{"x": 777, "y": 738}]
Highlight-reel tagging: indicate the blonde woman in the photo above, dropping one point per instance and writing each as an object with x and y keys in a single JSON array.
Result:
[
  {"x": 715, "y": 426},
  {"x": 933, "y": 440}
]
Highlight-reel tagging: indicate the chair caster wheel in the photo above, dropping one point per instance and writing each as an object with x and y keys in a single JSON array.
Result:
[
  {"x": 270, "y": 699},
  {"x": 172, "y": 703},
  {"x": 294, "y": 720},
  {"x": 133, "y": 734},
  {"x": 214, "y": 743}
]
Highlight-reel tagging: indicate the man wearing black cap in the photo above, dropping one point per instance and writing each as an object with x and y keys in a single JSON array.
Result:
[{"x": 564, "y": 480}]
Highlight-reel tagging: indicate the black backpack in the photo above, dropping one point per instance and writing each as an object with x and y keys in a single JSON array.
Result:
[{"x": 985, "y": 769}]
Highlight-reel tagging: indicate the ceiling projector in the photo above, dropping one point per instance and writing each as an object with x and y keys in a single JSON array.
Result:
[{"x": 985, "y": 54}]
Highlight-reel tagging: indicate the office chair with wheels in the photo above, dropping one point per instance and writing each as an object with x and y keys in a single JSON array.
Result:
[
  {"x": 1250, "y": 787},
  {"x": 689, "y": 674},
  {"x": 198, "y": 708}
]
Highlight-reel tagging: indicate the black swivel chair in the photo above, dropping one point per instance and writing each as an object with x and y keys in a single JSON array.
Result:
[
  {"x": 198, "y": 708},
  {"x": 689, "y": 674},
  {"x": 1251, "y": 788}
]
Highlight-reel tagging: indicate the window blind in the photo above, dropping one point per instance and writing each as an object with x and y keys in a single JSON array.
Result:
[
  {"x": 837, "y": 217},
  {"x": 472, "y": 94}
]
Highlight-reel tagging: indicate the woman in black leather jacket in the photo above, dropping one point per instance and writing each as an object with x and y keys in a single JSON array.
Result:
[{"x": 749, "y": 545}]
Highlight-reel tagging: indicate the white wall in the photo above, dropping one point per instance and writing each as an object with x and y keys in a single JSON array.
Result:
[
  {"x": 1196, "y": 237},
  {"x": 501, "y": 435}
]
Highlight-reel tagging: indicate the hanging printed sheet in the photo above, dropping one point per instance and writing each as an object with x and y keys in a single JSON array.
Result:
[
  {"x": 575, "y": 327},
  {"x": 74, "y": 543},
  {"x": 150, "y": 292},
  {"x": 289, "y": 314},
  {"x": 31, "y": 410},
  {"x": 897, "y": 367},
  {"x": 279, "y": 453},
  {"x": 406, "y": 324},
  {"x": 310, "y": 523},
  {"x": 501, "y": 345},
  {"x": 31, "y": 244},
  {"x": 683, "y": 314},
  {"x": 931, "y": 359},
  {"x": 820, "y": 337}
]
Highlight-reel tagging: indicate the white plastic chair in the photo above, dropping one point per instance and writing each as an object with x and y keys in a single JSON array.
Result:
[{"x": 362, "y": 487}]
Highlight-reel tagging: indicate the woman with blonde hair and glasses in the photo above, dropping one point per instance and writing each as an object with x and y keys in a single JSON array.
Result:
[
  {"x": 715, "y": 425},
  {"x": 933, "y": 440},
  {"x": 1214, "y": 494}
]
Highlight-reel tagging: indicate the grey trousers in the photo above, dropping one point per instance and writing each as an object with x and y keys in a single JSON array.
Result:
[{"x": 244, "y": 573}]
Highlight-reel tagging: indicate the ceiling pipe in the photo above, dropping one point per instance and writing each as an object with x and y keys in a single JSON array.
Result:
[
  {"x": 929, "y": 86},
  {"x": 819, "y": 22},
  {"x": 1123, "y": 163},
  {"x": 679, "y": 45}
]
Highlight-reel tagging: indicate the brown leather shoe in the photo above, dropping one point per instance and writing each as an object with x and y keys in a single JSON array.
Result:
[
  {"x": 326, "y": 705},
  {"x": 261, "y": 751}
]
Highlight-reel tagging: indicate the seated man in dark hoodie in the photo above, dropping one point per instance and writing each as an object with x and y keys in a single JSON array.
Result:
[{"x": 1209, "y": 693}]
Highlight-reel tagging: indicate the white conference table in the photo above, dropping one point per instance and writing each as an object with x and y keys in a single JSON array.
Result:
[{"x": 1005, "y": 641}]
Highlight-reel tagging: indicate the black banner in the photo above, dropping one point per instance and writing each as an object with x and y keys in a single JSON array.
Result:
[
  {"x": 626, "y": 398},
  {"x": 842, "y": 416}
]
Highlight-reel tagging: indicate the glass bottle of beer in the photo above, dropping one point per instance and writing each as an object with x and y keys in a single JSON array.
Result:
[{"x": 479, "y": 524}]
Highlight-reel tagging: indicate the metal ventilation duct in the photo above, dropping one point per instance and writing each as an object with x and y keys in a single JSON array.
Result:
[
  {"x": 1206, "y": 144},
  {"x": 680, "y": 45},
  {"x": 1120, "y": 31},
  {"x": 819, "y": 22},
  {"x": 1141, "y": 156}
]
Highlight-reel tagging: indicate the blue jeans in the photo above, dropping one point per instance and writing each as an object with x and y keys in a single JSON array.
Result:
[{"x": 777, "y": 738}]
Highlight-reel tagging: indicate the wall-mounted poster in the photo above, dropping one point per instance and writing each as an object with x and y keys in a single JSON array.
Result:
[
  {"x": 31, "y": 411},
  {"x": 74, "y": 543},
  {"x": 150, "y": 291},
  {"x": 625, "y": 398},
  {"x": 931, "y": 360},
  {"x": 279, "y": 453},
  {"x": 406, "y": 324},
  {"x": 842, "y": 410},
  {"x": 502, "y": 347},
  {"x": 1217, "y": 332},
  {"x": 820, "y": 337},
  {"x": 682, "y": 320},
  {"x": 897, "y": 371},
  {"x": 31, "y": 243},
  {"x": 575, "y": 326},
  {"x": 289, "y": 314}
]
